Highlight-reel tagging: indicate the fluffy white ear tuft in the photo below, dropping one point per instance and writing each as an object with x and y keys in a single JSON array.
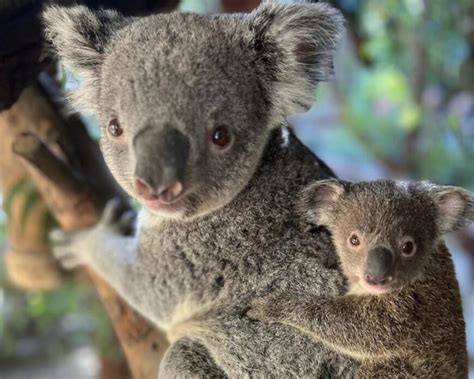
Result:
[
  {"x": 455, "y": 206},
  {"x": 80, "y": 37},
  {"x": 295, "y": 42}
]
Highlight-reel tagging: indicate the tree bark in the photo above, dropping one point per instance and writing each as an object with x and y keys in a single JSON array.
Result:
[
  {"x": 28, "y": 261},
  {"x": 67, "y": 168}
]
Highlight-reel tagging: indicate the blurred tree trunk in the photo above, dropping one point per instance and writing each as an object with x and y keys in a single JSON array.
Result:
[
  {"x": 28, "y": 261},
  {"x": 66, "y": 166}
]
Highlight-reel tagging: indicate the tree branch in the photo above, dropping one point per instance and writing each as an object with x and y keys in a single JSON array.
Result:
[
  {"x": 76, "y": 197},
  {"x": 32, "y": 149}
]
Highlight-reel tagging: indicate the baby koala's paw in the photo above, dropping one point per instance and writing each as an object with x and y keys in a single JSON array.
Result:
[{"x": 269, "y": 308}]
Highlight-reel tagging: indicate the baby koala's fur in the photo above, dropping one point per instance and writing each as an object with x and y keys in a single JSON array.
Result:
[{"x": 402, "y": 316}]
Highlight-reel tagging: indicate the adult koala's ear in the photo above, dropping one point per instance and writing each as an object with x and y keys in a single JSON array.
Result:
[
  {"x": 455, "y": 206},
  {"x": 318, "y": 200},
  {"x": 80, "y": 36},
  {"x": 294, "y": 43}
]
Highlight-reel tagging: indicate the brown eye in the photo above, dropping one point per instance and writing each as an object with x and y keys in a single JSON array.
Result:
[
  {"x": 354, "y": 240},
  {"x": 114, "y": 128},
  {"x": 221, "y": 136},
  {"x": 408, "y": 248}
]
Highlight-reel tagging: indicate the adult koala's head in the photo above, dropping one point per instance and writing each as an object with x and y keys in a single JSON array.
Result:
[{"x": 187, "y": 102}]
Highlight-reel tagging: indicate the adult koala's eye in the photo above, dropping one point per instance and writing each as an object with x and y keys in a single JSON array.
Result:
[
  {"x": 408, "y": 248},
  {"x": 354, "y": 240},
  {"x": 114, "y": 128},
  {"x": 221, "y": 136}
]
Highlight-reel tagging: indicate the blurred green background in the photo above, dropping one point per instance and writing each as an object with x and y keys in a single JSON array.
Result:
[{"x": 401, "y": 106}]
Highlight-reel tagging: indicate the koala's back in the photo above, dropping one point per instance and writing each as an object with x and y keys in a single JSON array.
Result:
[
  {"x": 214, "y": 266},
  {"x": 438, "y": 345}
]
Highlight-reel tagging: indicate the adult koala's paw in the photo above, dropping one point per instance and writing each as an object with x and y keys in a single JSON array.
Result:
[
  {"x": 76, "y": 248},
  {"x": 66, "y": 248},
  {"x": 270, "y": 308}
]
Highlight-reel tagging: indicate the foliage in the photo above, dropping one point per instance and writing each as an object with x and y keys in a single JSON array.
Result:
[
  {"x": 406, "y": 100},
  {"x": 49, "y": 322}
]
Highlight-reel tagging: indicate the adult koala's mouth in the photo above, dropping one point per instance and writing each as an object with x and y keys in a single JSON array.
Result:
[
  {"x": 187, "y": 205},
  {"x": 163, "y": 204}
]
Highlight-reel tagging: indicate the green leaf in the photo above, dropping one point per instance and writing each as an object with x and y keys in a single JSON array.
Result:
[
  {"x": 19, "y": 187},
  {"x": 410, "y": 116},
  {"x": 32, "y": 198}
]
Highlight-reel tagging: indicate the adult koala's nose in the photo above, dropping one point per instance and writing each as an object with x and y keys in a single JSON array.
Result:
[
  {"x": 379, "y": 267},
  {"x": 162, "y": 155}
]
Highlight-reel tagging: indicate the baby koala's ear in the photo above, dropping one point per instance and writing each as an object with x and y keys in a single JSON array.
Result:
[
  {"x": 318, "y": 200},
  {"x": 455, "y": 206}
]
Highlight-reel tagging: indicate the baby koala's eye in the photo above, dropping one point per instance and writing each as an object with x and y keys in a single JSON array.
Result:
[
  {"x": 221, "y": 136},
  {"x": 354, "y": 240},
  {"x": 408, "y": 248},
  {"x": 114, "y": 128}
]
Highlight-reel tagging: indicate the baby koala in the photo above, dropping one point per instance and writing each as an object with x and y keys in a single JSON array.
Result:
[{"x": 388, "y": 236}]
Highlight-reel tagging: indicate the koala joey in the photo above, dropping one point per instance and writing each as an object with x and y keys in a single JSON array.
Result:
[
  {"x": 402, "y": 315},
  {"x": 191, "y": 109}
]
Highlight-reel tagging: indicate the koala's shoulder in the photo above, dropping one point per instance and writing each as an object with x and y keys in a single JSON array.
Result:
[{"x": 266, "y": 210}]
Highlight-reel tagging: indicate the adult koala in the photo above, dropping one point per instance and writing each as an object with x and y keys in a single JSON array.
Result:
[{"x": 192, "y": 108}]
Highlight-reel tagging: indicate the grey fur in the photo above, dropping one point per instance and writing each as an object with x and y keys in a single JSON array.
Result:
[
  {"x": 194, "y": 267},
  {"x": 413, "y": 326}
]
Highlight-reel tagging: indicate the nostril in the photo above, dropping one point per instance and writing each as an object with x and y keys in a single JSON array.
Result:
[
  {"x": 374, "y": 280},
  {"x": 166, "y": 193},
  {"x": 140, "y": 186},
  {"x": 143, "y": 189},
  {"x": 171, "y": 192}
]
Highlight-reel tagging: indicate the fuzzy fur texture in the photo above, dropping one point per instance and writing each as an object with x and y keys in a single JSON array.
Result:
[
  {"x": 195, "y": 265},
  {"x": 415, "y": 327},
  {"x": 196, "y": 279},
  {"x": 163, "y": 72},
  {"x": 302, "y": 39},
  {"x": 82, "y": 35}
]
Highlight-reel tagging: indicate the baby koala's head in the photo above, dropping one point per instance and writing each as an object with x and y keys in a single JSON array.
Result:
[{"x": 385, "y": 230}]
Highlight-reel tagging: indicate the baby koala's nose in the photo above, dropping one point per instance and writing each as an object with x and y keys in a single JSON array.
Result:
[
  {"x": 378, "y": 279},
  {"x": 379, "y": 266},
  {"x": 167, "y": 193}
]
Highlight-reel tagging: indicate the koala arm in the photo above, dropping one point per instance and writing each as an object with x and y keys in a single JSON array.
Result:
[
  {"x": 189, "y": 359},
  {"x": 108, "y": 248},
  {"x": 361, "y": 327}
]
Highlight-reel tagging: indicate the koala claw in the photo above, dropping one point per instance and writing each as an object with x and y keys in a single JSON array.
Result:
[
  {"x": 69, "y": 261},
  {"x": 115, "y": 218},
  {"x": 75, "y": 248},
  {"x": 112, "y": 211},
  {"x": 61, "y": 241},
  {"x": 60, "y": 237}
]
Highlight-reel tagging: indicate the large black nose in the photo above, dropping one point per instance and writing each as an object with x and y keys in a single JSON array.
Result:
[
  {"x": 379, "y": 267},
  {"x": 162, "y": 155}
]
